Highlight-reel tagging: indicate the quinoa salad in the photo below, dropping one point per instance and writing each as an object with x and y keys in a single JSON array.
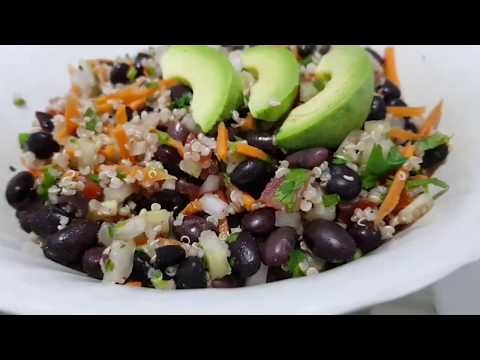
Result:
[{"x": 201, "y": 166}]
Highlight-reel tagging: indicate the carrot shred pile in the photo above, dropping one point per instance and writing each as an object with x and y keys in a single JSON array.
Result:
[
  {"x": 121, "y": 115},
  {"x": 390, "y": 66},
  {"x": 401, "y": 111},
  {"x": 251, "y": 151},
  {"x": 122, "y": 141},
  {"x": 222, "y": 142}
]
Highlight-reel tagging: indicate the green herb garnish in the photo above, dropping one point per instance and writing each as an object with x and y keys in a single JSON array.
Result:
[
  {"x": 330, "y": 200},
  {"x": 232, "y": 238},
  {"x": 152, "y": 85},
  {"x": 132, "y": 74},
  {"x": 411, "y": 184},
  {"x": 23, "y": 139},
  {"x": 109, "y": 266},
  {"x": 19, "y": 102},
  {"x": 150, "y": 71},
  {"x": 307, "y": 60},
  {"x": 111, "y": 231},
  {"x": 163, "y": 137},
  {"x": 288, "y": 190},
  {"x": 49, "y": 180},
  {"x": 184, "y": 101},
  {"x": 379, "y": 166},
  {"x": 94, "y": 119},
  {"x": 121, "y": 175},
  {"x": 433, "y": 141},
  {"x": 95, "y": 178},
  {"x": 296, "y": 258},
  {"x": 339, "y": 161}
]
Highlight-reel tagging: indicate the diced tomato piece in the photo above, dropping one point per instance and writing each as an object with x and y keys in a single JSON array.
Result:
[{"x": 92, "y": 190}]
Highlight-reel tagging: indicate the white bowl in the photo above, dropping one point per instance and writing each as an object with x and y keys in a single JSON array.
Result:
[{"x": 437, "y": 245}]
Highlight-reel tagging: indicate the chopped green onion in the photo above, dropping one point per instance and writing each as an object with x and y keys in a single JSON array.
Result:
[
  {"x": 19, "y": 102},
  {"x": 330, "y": 200},
  {"x": 163, "y": 137},
  {"x": 152, "y": 85},
  {"x": 132, "y": 74},
  {"x": 95, "y": 178},
  {"x": 94, "y": 119},
  {"x": 296, "y": 258},
  {"x": 23, "y": 139},
  {"x": 49, "y": 180},
  {"x": 184, "y": 101},
  {"x": 121, "y": 175}
]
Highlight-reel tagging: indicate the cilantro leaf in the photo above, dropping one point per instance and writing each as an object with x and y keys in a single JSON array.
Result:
[
  {"x": 433, "y": 141},
  {"x": 121, "y": 175},
  {"x": 150, "y": 71},
  {"x": 94, "y": 178},
  {"x": 296, "y": 258},
  {"x": 163, "y": 137},
  {"x": 132, "y": 73},
  {"x": 411, "y": 184},
  {"x": 152, "y": 85},
  {"x": 339, "y": 160},
  {"x": 369, "y": 181},
  {"x": 379, "y": 166},
  {"x": 184, "y": 101},
  {"x": 330, "y": 200},
  {"x": 288, "y": 190},
  {"x": 307, "y": 60},
  {"x": 232, "y": 238},
  {"x": 94, "y": 119},
  {"x": 23, "y": 139},
  {"x": 109, "y": 265}
]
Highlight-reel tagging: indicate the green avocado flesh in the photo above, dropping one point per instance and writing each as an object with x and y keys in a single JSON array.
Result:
[
  {"x": 217, "y": 89},
  {"x": 278, "y": 76},
  {"x": 342, "y": 106}
]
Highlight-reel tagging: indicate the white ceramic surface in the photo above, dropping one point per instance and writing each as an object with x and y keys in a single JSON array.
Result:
[{"x": 439, "y": 244}]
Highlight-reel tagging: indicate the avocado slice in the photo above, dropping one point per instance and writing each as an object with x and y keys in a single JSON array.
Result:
[
  {"x": 217, "y": 89},
  {"x": 278, "y": 76},
  {"x": 343, "y": 105}
]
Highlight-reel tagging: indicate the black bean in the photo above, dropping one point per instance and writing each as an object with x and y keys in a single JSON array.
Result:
[
  {"x": 263, "y": 141},
  {"x": 25, "y": 215},
  {"x": 179, "y": 91},
  {"x": 308, "y": 159},
  {"x": 228, "y": 282},
  {"x": 389, "y": 91},
  {"x": 234, "y": 47},
  {"x": 252, "y": 176},
  {"x": 130, "y": 112},
  {"x": 46, "y": 220},
  {"x": 45, "y": 121},
  {"x": 277, "y": 274},
  {"x": 278, "y": 246},
  {"x": 325, "y": 49},
  {"x": 259, "y": 222},
  {"x": 191, "y": 274},
  {"x": 42, "y": 145},
  {"x": 138, "y": 63},
  {"x": 235, "y": 220},
  {"x": 178, "y": 131},
  {"x": 378, "y": 110},
  {"x": 329, "y": 241},
  {"x": 187, "y": 189},
  {"x": 169, "y": 200},
  {"x": 73, "y": 206},
  {"x": 245, "y": 256},
  {"x": 243, "y": 111},
  {"x": 192, "y": 227},
  {"x": 91, "y": 262},
  {"x": 396, "y": 103},
  {"x": 366, "y": 235},
  {"x": 141, "y": 268},
  {"x": 345, "y": 182},
  {"x": 410, "y": 126},
  {"x": 305, "y": 50},
  {"x": 169, "y": 255},
  {"x": 20, "y": 191},
  {"x": 119, "y": 73},
  {"x": 68, "y": 246},
  {"x": 435, "y": 156},
  {"x": 170, "y": 160}
]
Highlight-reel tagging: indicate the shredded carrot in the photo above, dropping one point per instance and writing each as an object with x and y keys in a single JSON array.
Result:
[
  {"x": 104, "y": 108},
  {"x": 92, "y": 191},
  {"x": 72, "y": 110},
  {"x": 251, "y": 151},
  {"x": 141, "y": 240},
  {"x": 405, "y": 200},
  {"x": 121, "y": 115},
  {"x": 249, "y": 202},
  {"x": 223, "y": 227},
  {"x": 193, "y": 208},
  {"x": 408, "y": 151},
  {"x": 249, "y": 123},
  {"x": 154, "y": 175},
  {"x": 137, "y": 104},
  {"x": 36, "y": 173},
  {"x": 134, "y": 284},
  {"x": 404, "y": 135},
  {"x": 167, "y": 84},
  {"x": 177, "y": 145},
  {"x": 126, "y": 95},
  {"x": 433, "y": 120},
  {"x": 109, "y": 152},
  {"x": 222, "y": 142},
  {"x": 122, "y": 140},
  {"x": 390, "y": 66},
  {"x": 401, "y": 111},
  {"x": 393, "y": 196}
]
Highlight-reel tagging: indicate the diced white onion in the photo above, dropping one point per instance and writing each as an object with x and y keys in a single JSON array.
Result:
[
  {"x": 213, "y": 205},
  {"x": 211, "y": 184},
  {"x": 121, "y": 257},
  {"x": 293, "y": 220}
]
